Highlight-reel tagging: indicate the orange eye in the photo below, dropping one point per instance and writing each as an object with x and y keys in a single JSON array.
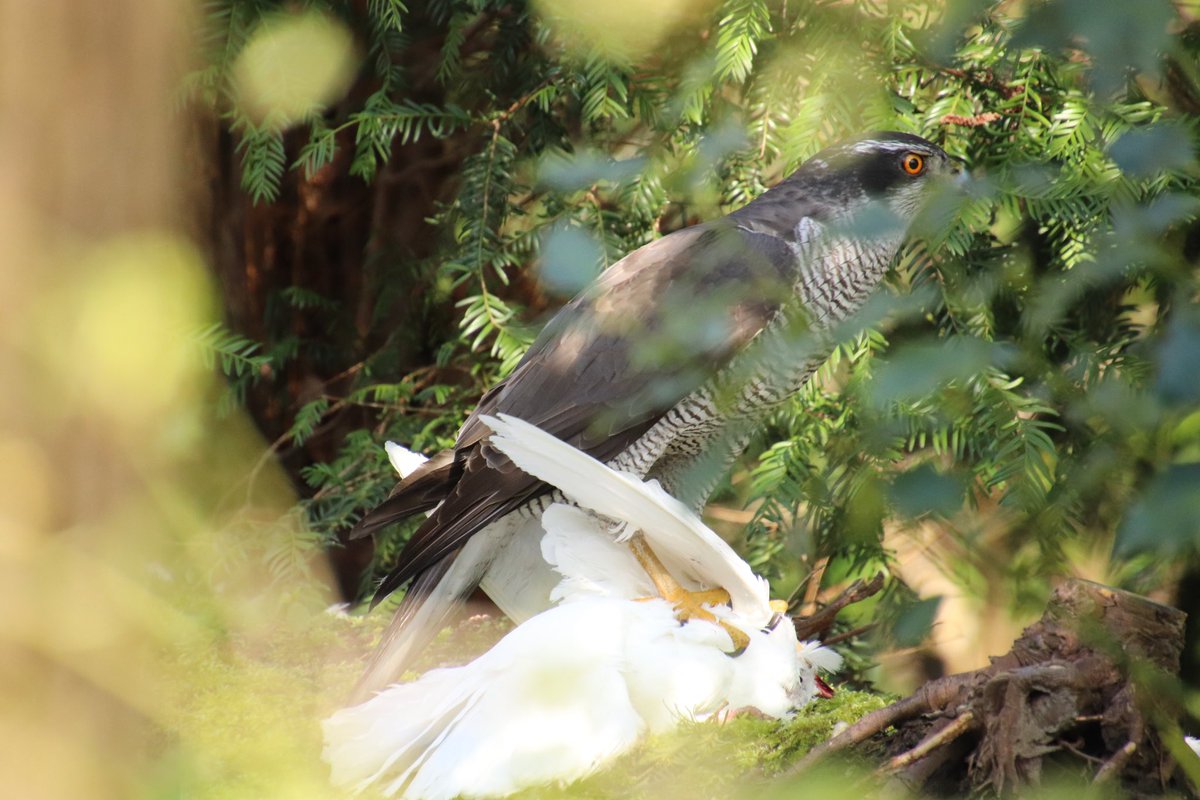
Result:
[{"x": 913, "y": 164}]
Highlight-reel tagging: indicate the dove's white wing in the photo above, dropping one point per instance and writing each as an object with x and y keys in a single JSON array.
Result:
[
  {"x": 674, "y": 532},
  {"x": 547, "y": 703}
]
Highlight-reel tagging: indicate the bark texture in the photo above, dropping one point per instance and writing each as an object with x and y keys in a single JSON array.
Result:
[{"x": 1076, "y": 690}]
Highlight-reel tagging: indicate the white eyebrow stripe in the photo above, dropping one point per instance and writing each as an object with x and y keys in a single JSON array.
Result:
[{"x": 875, "y": 145}]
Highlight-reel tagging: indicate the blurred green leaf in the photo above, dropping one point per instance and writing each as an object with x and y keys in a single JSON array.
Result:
[
  {"x": 1165, "y": 520},
  {"x": 915, "y": 370},
  {"x": 1178, "y": 359},
  {"x": 915, "y": 622},
  {"x": 1145, "y": 220},
  {"x": 924, "y": 490},
  {"x": 569, "y": 173},
  {"x": 1145, "y": 152},
  {"x": 1115, "y": 39},
  {"x": 570, "y": 260}
]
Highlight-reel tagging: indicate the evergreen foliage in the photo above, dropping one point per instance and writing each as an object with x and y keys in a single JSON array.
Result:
[
  {"x": 239, "y": 359},
  {"x": 1028, "y": 381}
]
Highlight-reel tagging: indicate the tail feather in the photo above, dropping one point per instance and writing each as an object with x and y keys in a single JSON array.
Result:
[
  {"x": 427, "y": 605},
  {"x": 419, "y": 491},
  {"x": 392, "y": 732}
]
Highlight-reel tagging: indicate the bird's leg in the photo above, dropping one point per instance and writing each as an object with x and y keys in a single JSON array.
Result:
[{"x": 688, "y": 605}]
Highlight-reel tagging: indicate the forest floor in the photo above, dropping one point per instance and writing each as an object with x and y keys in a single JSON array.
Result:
[{"x": 246, "y": 713}]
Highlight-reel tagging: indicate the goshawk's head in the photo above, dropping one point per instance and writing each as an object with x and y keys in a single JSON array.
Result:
[
  {"x": 893, "y": 168},
  {"x": 876, "y": 183}
]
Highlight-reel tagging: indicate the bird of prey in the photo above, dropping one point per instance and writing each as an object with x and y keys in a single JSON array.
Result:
[
  {"x": 659, "y": 368},
  {"x": 573, "y": 687}
]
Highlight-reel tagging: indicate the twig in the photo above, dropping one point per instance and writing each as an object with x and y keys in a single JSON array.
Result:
[
  {"x": 524, "y": 99},
  {"x": 1085, "y": 756},
  {"x": 859, "y": 631},
  {"x": 933, "y": 696},
  {"x": 915, "y": 775},
  {"x": 947, "y": 734},
  {"x": 1115, "y": 763},
  {"x": 984, "y": 78},
  {"x": 810, "y": 627},
  {"x": 814, "y": 583},
  {"x": 795, "y": 595},
  {"x": 864, "y": 729}
]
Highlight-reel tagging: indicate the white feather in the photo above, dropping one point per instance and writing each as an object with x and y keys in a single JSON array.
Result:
[
  {"x": 434, "y": 613},
  {"x": 588, "y": 563},
  {"x": 404, "y": 461},
  {"x": 673, "y": 531},
  {"x": 518, "y": 580},
  {"x": 546, "y": 704},
  {"x": 820, "y": 657}
]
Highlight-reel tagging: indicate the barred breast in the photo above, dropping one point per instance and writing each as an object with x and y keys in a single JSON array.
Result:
[{"x": 714, "y": 423}]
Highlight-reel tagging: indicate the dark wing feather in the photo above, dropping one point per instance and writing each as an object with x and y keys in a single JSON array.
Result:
[
  {"x": 385, "y": 662},
  {"x": 421, "y": 490},
  {"x": 424, "y": 487},
  {"x": 651, "y": 330}
]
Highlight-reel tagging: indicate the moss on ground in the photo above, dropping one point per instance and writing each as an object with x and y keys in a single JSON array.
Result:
[{"x": 707, "y": 759}]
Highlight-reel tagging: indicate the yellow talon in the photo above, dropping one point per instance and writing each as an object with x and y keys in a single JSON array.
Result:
[
  {"x": 779, "y": 606},
  {"x": 688, "y": 605},
  {"x": 711, "y": 597}
]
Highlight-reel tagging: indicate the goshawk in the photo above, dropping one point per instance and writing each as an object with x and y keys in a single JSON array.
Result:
[{"x": 660, "y": 367}]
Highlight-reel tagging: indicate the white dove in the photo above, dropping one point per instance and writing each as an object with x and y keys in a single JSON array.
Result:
[{"x": 572, "y": 688}]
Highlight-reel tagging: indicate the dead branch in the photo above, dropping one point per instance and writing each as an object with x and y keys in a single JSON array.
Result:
[
  {"x": 933, "y": 697},
  {"x": 1113, "y": 766},
  {"x": 851, "y": 634},
  {"x": 812, "y": 627},
  {"x": 939, "y": 738}
]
